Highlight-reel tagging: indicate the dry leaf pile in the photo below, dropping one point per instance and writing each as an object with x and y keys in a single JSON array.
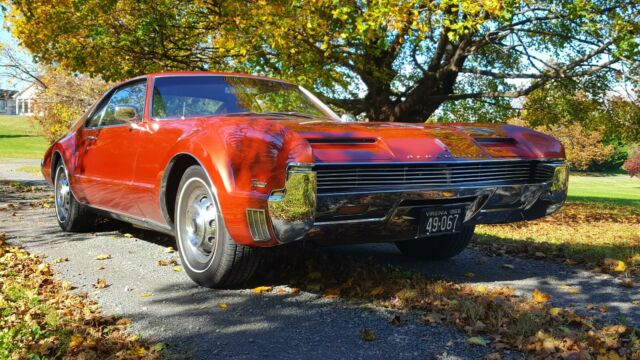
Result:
[
  {"x": 602, "y": 237},
  {"x": 41, "y": 318},
  {"x": 493, "y": 317}
]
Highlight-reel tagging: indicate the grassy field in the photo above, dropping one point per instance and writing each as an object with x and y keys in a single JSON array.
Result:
[
  {"x": 617, "y": 189},
  {"x": 19, "y": 139}
]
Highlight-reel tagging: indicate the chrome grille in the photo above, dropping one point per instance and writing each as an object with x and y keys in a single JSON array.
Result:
[{"x": 335, "y": 178}]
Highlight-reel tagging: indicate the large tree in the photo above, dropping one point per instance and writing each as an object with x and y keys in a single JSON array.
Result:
[{"x": 393, "y": 60}]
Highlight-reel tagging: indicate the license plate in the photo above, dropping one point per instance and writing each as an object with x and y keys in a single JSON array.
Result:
[{"x": 441, "y": 220}]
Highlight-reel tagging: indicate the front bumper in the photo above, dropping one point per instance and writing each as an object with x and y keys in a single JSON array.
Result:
[{"x": 298, "y": 212}]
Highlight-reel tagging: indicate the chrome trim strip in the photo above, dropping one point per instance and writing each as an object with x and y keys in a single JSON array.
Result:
[{"x": 352, "y": 221}]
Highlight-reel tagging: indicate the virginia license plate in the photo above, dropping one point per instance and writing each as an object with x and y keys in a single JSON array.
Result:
[{"x": 441, "y": 220}]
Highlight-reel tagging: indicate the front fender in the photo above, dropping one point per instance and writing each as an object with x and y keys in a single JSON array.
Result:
[{"x": 246, "y": 160}]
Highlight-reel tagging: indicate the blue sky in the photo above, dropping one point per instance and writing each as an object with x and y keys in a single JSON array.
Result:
[{"x": 7, "y": 39}]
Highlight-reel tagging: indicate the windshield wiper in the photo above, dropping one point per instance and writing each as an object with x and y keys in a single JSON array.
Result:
[
  {"x": 273, "y": 113},
  {"x": 290, "y": 113}
]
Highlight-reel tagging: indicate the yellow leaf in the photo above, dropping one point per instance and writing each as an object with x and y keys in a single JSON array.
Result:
[
  {"x": 615, "y": 265},
  {"x": 145, "y": 294},
  {"x": 137, "y": 350},
  {"x": 100, "y": 284},
  {"x": 555, "y": 311},
  {"x": 540, "y": 297},
  {"x": 177, "y": 269},
  {"x": 60, "y": 260},
  {"x": 75, "y": 342},
  {"x": 127, "y": 235},
  {"x": 261, "y": 289},
  {"x": 103, "y": 257},
  {"x": 44, "y": 269},
  {"x": 476, "y": 340},
  {"x": 169, "y": 250},
  {"x": 223, "y": 306}
]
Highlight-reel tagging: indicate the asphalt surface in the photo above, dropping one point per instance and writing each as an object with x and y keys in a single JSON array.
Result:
[{"x": 167, "y": 307}]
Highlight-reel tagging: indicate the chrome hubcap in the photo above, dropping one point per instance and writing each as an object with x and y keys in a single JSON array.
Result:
[
  {"x": 198, "y": 222},
  {"x": 63, "y": 195}
]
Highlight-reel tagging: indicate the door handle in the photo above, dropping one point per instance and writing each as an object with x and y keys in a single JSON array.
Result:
[{"x": 91, "y": 138}]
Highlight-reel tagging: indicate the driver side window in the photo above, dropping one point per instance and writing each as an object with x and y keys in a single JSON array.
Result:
[{"x": 132, "y": 94}]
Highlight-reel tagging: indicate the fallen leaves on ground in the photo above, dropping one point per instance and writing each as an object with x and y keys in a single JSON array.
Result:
[
  {"x": 100, "y": 284},
  {"x": 496, "y": 314},
  {"x": 223, "y": 306},
  {"x": 605, "y": 238},
  {"x": 540, "y": 297},
  {"x": 167, "y": 262},
  {"x": 41, "y": 318},
  {"x": 103, "y": 257}
]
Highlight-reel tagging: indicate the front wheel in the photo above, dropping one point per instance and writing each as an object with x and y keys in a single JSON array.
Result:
[
  {"x": 209, "y": 255},
  {"x": 72, "y": 216},
  {"x": 437, "y": 247}
]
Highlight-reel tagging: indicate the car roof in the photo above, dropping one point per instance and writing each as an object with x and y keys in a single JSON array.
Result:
[{"x": 214, "y": 73}]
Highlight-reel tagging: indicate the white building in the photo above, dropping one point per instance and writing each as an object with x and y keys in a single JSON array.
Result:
[{"x": 24, "y": 99}]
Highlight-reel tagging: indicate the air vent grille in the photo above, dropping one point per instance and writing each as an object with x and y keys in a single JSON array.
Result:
[{"x": 258, "y": 225}]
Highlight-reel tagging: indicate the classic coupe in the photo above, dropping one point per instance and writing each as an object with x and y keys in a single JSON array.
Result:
[{"x": 230, "y": 164}]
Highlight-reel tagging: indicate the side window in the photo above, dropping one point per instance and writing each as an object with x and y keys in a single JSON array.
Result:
[
  {"x": 94, "y": 119},
  {"x": 130, "y": 95}
]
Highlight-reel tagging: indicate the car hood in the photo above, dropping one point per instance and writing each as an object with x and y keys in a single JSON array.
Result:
[{"x": 333, "y": 141}]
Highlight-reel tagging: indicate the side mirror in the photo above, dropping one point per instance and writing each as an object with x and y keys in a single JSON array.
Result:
[
  {"x": 125, "y": 113},
  {"x": 348, "y": 118}
]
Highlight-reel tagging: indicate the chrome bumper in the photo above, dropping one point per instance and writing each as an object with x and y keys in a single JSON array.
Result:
[{"x": 297, "y": 212}]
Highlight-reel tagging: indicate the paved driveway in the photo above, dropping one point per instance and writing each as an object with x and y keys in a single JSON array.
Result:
[{"x": 166, "y": 306}]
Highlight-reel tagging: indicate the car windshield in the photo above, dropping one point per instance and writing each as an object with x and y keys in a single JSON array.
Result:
[{"x": 197, "y": 96}]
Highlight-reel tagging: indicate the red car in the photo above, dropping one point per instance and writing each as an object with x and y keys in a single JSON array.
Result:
[{"x": 229, "y": 163}]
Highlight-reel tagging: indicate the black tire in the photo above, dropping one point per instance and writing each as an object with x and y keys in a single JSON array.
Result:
[
  {"x": 71, "y": 215},
  {"x": 209, "y": 255},
  {"x": 437, "y": 247}
]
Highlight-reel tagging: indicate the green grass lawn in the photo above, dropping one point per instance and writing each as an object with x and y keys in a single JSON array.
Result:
[
  {"x": 615, "y": 189},
  {"x": 20, "y": 139}
]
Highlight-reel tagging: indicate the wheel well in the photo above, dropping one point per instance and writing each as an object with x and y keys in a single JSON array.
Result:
[
  {"x": 55, "y": 160},
  {"x": 172, "y": 177}
]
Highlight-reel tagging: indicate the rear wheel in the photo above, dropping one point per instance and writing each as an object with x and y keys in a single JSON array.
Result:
[
  {"x": 209, "y": 255},
  {"x": 72, "y": 216},
  {"x": 437, "y": 247}
]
